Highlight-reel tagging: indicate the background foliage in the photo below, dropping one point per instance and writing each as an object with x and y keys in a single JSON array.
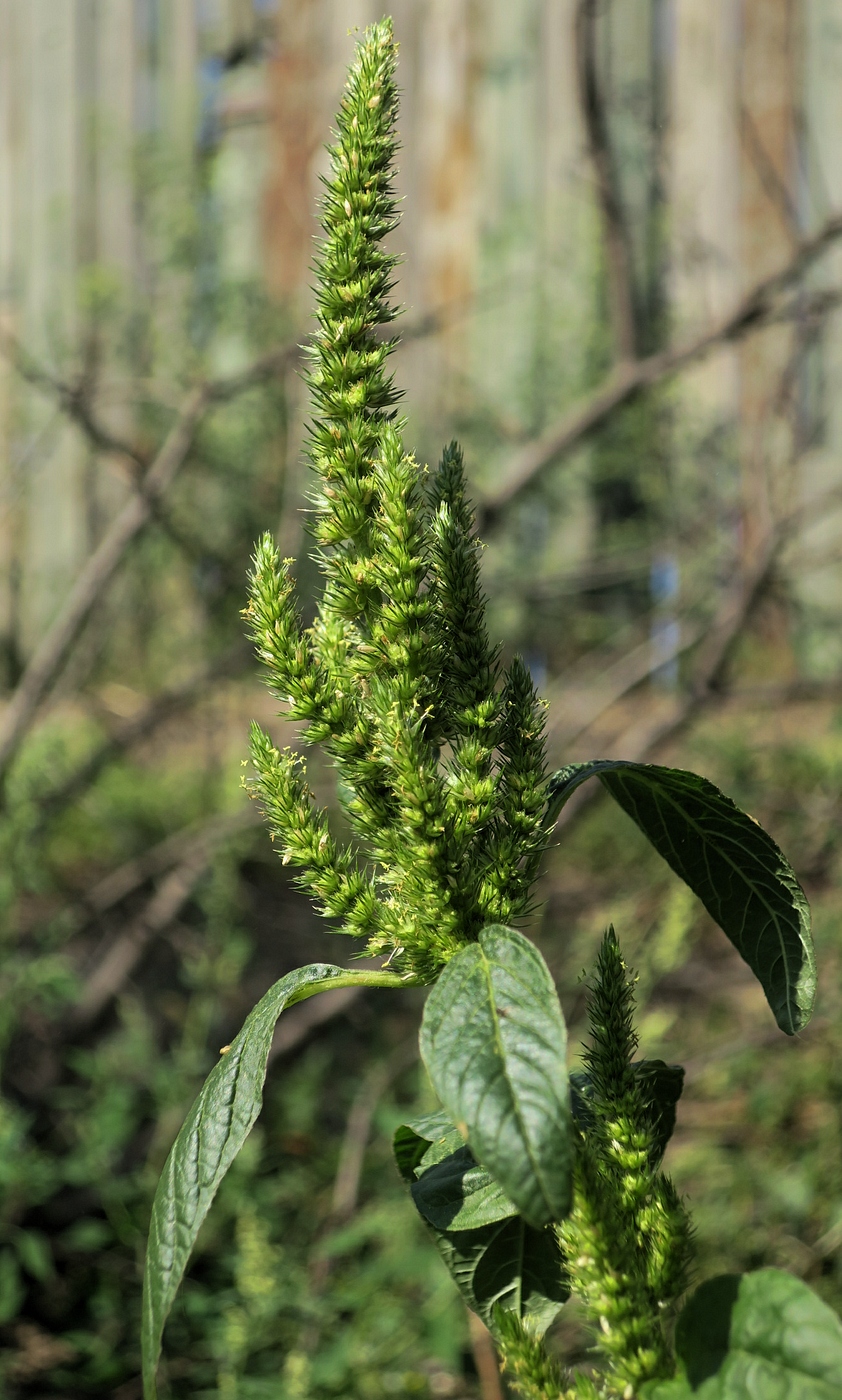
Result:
[{"x": 313, "y": 1277}]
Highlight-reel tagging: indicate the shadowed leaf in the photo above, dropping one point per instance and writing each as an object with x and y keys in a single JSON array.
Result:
[
  {"x": 743, "y": 879},
  {"x": 457, "y": 1194},
  {"x": 494, "y": 1041},
  {"x": 661, "y": 1085},
  {"x": 505, "y": 1262},
  {"x": 760, "y": 1336}
]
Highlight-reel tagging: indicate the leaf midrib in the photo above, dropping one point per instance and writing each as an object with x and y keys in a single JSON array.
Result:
[
  {"x": 486, "y": 966},
  {"x": 790, "y": 986}
]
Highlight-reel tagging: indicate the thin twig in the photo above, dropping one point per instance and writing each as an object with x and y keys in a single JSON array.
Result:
[
  {"x": 127, "y": 878},
  {"x": 642, "y": 738},
  {"x": 73, "y": 396},
  {"x": 485, "y": 1359},
  {"x": 74, "y": 400},
  {"x": 137, "y": 728},
  {"x": 266, "y": 366},
  {"x": 122, "y": 955},
  {"x": 113, "y": 970},
  {"x": 767, "y": 172},
  {"x": 782, "y": 692},
  {"x": 753, "y": 312},
  {"x": 346, "y": 1185},
  {"x": 616, "y": 681},
  {"x": 46, "y": 663}
]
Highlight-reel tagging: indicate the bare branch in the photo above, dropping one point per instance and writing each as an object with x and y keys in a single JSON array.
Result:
[
  {"x": 113, "y": 888},
  {"x": 123, "y": 954},
  {"x": 644, "y": 736},
  {"x": 753, "y": 312},
  {"x": 138, "y": 727},
  {"x": 485, "y": 1358},
  {"x": 73, "y": 398},
  {"x": 346, "y": 1184},
  {"x": 46, "y": 663},
  {"x": 263, "y": 368},
  {"x": 621, "y": 296},
  {"x": 569, "y": 704},
  {"x": 767, "y": 172}
]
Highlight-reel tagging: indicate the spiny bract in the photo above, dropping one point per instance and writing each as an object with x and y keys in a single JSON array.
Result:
[{"x": 441, "y": 771}]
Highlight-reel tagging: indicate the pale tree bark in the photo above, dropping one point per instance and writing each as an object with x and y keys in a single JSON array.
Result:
[
  {"x": 296, "y": 130},
  {"x": 761, "y": 306},
  {"x": 618, "y": 250},
  {"x": 769, "y": 72},
  {"x": 442, "y": 169}
]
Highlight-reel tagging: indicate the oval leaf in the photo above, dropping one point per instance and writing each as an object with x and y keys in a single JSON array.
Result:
[
  {"x": 423, "y": 1142},
  {"x": 494, "y": 1041},
  {"x": 759, "y": 1336},
  {"x": 509, "y": 1265},
  {"x": 457, "y": 1194},
  {"x": 506, "y": 1263},
  {"x": 743, "y": 879},
  {"x": 213, "y": 1133}
]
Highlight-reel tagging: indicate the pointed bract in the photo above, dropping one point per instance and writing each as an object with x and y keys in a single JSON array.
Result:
[{"x": 441, "y": 774}]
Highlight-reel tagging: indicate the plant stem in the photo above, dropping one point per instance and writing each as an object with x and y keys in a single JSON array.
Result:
[{"x": 628, "y": 1238}]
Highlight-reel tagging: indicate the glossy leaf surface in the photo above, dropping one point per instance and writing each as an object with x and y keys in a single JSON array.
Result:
[
  {"x": 507, "y": 1264},
  {"x": 458, "y": 1194},
  {"x": 743, "y": 879},
  {"x": 494, "y": 1042},
  {"x": 423, "y": 1142},
  {"x": 759, "y": 1336},
  {"x": 213, "y": 1133}
]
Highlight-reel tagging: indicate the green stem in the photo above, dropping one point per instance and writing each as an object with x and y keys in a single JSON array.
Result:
[{"x": 365, "y": 977}]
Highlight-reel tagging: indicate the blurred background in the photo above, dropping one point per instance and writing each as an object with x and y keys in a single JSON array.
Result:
[{"x": 622, "y": 286}]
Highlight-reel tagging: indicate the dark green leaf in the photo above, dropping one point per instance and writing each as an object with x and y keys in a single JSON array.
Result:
[
  {"x": 760, "y": 1336},
  {"x": 424, "y": 1142},
  {"x": 509, "y": 1264},
  {"x": 493, "y": 1040},
  {"x": 704, "y": 1329},
  {"x": 506, "y": 1262},
  {"x": 213, "y": 1133},
  {"x": 457, "y": 1194},
  {"x": 744, "y": 881},
  {"x": 661, "y": 1085}
]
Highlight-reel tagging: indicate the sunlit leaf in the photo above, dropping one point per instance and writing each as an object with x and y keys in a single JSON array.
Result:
[
  {"x": 743, "y": 879},
  {"x": 494, "y": 1041},
  {"x": 759, "y": 1336}
]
